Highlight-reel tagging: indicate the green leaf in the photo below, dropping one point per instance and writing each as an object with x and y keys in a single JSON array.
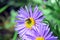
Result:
[
  {"x": 3, "y": 8},
  {"x": 38, "y": 1}
]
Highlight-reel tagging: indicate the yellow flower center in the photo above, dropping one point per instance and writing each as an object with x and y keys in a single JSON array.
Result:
[
  {"x": 29, "y": 23},
  {"x": 39, "y": 38}
]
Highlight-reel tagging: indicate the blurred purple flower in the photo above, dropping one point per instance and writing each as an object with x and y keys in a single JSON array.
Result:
[
  {"x": 41, "y": 32},
  {"x": 27, "y": 19}
]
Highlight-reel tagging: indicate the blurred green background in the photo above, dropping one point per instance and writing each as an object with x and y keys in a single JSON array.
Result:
[{"x": 8, "y": 12}]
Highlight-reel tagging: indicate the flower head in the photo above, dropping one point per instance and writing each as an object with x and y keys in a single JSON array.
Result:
[
  {"x": 42, "y": 32},
  {"x": 27, "y": 19}
]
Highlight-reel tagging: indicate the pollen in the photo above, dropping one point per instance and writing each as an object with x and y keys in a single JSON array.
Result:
[
  {"x": 29, "y": 23},
  {"x": 39, "y": 38}
]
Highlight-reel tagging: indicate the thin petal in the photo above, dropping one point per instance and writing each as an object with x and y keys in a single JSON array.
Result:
[
  {"x": 19, "y": 21},
  {"x": 52, "y": 38},
  {"x": 40, "y": 19},
  {"x": 19, "y": 27},
  {"x": 35, "y": 11},
  {"x": 35, "y": 31},
  {"x": 39, "y": 15},
  {"x": 27, "y": 11},
  {"x": 30, "y": 9},
  {"x": 23, "y": 12},
  {"x": 49, "y": 35},
  {"x": 21, "y": 16},
  {"x": 22, "y": 32},
  {"x": 30, "y": 33},
  {"x": 46, "y": 32},
  {"x": 25, "y": 38}
]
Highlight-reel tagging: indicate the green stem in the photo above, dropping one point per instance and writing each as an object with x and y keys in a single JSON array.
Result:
[{"x": 15, "y": 36}]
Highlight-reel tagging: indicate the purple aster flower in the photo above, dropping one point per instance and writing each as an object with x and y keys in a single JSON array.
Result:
[
  {"x": 41, "y": 32},
  {"x": 27, "y": 19}
]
